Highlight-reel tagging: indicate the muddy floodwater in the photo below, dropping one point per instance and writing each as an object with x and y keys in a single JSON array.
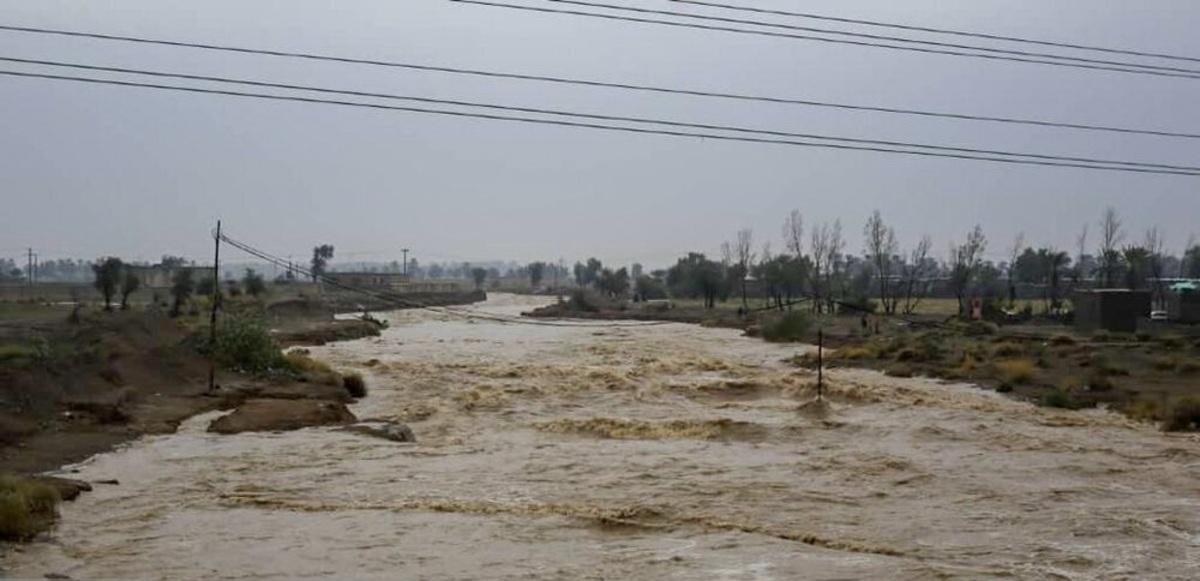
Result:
[{"x": 638, "y": 452}]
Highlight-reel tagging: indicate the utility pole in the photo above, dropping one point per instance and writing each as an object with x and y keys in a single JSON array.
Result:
[
  {"x": 35, "y": 268},
  {"x": 29, "y": 267},
  {"x": 212, "y": 321},
  {"x": 405, "y": 251}
]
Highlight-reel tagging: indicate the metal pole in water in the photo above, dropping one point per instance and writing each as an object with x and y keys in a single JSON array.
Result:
[
  {"x": 212, "y": 320},
  {"x": 820, "y": 364}
]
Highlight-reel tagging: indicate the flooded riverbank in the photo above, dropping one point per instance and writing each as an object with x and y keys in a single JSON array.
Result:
[{"x": 638, "y": 452}]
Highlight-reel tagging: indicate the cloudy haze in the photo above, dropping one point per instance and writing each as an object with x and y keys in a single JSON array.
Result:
[{"x": 99, "y": 170}]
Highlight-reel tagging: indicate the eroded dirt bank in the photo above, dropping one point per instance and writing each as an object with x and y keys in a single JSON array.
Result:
[{"x": 650, "y": 452}]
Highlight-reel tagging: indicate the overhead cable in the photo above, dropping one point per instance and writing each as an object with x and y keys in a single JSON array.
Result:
[
  {"x": 602, "y": 84},
  {"x": 1029, "y": 159},
  {"x": 594, "y": 116},
  {"x": 1070, "y": 62},
  {"x": 909, "y": 27}
]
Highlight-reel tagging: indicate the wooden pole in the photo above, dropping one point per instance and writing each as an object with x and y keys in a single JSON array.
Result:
[{"x": 212, "y": 320}]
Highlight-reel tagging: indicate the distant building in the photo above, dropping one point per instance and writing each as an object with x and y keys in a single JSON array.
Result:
[
  {"x": 159, "y": 276},
  {"x": 1116, "y": 310}
]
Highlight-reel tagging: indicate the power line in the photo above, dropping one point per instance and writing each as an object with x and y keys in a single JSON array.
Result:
[
  {"x": 1134, "y": 167},
  {"x": 591, "y": 116},
  {"x": 950, "y": 45},
  {"x": 876, "y": 23},
  {"x": 594, "y": 83},
  {"x": 1082, "y": 64}
]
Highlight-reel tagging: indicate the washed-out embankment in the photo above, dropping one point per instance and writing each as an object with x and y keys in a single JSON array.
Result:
[{"x": 73, "y": 389}]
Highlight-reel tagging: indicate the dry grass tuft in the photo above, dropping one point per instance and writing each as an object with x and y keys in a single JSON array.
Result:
[{"x": 1016, "y": 371}]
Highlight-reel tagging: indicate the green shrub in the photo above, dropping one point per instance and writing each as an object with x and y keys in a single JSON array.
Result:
[
  {"x": 244, "y": 344},
  {"x": 1059, "y": 399},
  {"x": 790, "y": 328},
  {"x": 16, "y": 355},
  {"x": 355, "y": 385},
  {"x": 1189, "y": 367},
  {"x": 929, "y": 348},
  {"x": 1184, "y": 416},
  {"x": 26, "y": 508},
  {"x": 585, "y": 301}
]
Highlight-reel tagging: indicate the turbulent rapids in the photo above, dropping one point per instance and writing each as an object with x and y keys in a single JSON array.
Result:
[{"x": 672, "y": 451}]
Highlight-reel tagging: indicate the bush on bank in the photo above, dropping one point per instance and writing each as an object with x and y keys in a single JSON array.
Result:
[
  {"x": 788, "y": 328},
  {"x": 27, "y": 508}
]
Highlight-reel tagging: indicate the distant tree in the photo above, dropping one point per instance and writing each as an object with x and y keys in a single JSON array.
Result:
[
  {"x": 108, "y": 278},
  {"x": 320, "y": 260},
  {"x": 436, "y": 271},
  {"x": 915, "y": 270},
  {"x": 793, "y": 242},
  {"x": 172, "y": 262},
  {"x": 1156, "y": 265},
  {"x": 1080, "y": 272},
  {"x": 695, "y": 276},
  {"x": 614, "y": 283},
  {"x": 479, "y": 275},
  {"x": 205, "y": 287},
  {"x": 1189, "y": 266},
  {"x": 833, "y": 250},
  {"x": 1056, "y": 262},
  {"x": 739, "y": 257},
  {"x": 592, "y": 271},
  {"x": 1014, "y": 253},
  {"x": 130, "y": 283},
  {"x": 580, "y": 272},
  {"x": 253, "y": 283},
  {"x": 1110, "y": 257},
  {"x": 537, "y": 271},
  {"x": 880, "y": 243},
  {"x": 1135, "y": 265},
  {"x": 636, "y": 271},
  {"x": 965, "y": 261},
  {"x": 182, "y": 287},
  {"x": 820, "y": 248},
  {"x": 647, "y": 288}
]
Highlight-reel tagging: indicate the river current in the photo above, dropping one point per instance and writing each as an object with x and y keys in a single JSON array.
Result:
[{"x": 589, "y": 451}]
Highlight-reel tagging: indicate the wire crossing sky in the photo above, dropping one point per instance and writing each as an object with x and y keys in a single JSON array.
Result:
[
  {"x": 758, "y": 135},
  {"x": 583, "y": 82}
]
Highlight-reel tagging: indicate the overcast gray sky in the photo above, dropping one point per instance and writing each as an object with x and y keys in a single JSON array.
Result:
[{"x": 98, "y": 170}]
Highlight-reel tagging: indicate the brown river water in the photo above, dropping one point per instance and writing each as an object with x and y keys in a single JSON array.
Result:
[{"x": 638, "y": 452}]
